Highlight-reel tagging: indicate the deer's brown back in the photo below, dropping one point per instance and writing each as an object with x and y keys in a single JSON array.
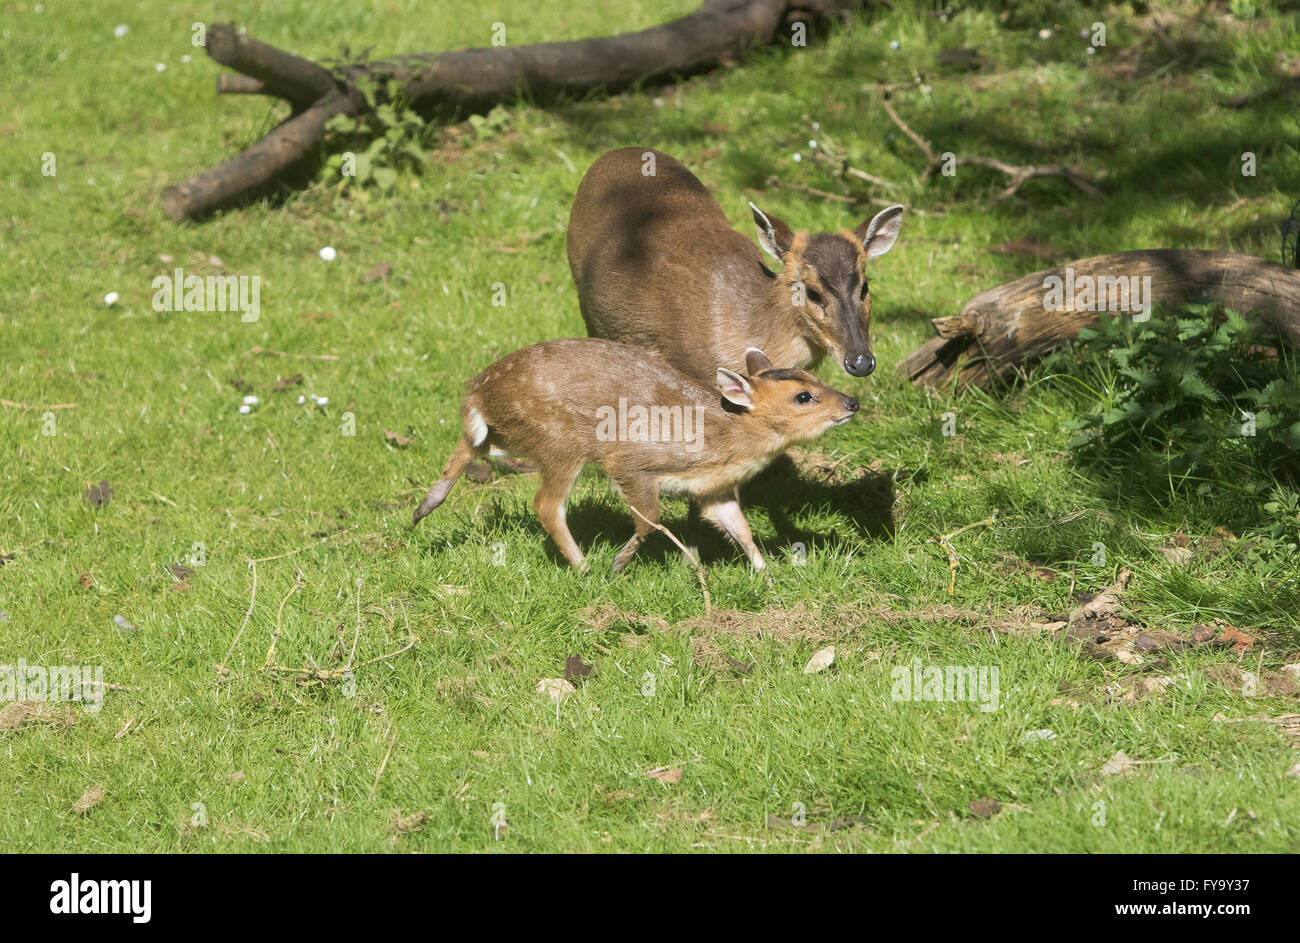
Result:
[
  {"x": 548, "y": 402},
  {"x": 658, "y": 266}
]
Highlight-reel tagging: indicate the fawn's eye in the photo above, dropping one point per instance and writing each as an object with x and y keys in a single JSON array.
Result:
[
  {"x": 802, "y": 397},
  {"x": 814, "y": 296}
]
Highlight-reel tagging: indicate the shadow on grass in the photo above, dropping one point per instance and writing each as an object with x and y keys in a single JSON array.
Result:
[{"x": 861, "y": 496}]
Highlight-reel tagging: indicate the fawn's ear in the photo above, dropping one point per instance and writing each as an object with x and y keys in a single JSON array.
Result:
[
  {"x": 773, "y": 235},
  {"x": 756, "y": 362},
  {"x": 735, "y": 389},
  {"x": 879, "y": 232}
]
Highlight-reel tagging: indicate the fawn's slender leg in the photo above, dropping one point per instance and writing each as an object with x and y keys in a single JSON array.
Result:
[
  {"x": 456, "y": 465},
  {"x": 725, "y": 514},
  {"x": 554, "y": 490},
  {"x": 642, "y": 494}
]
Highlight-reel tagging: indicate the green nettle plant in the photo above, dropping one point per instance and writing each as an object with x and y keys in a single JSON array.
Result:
[
  {"x": 1193, "y": 398},
  {"x": 391, "y": 133}
]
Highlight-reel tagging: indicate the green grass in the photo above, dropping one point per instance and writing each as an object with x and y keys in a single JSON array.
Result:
[{"x": 457, "y": 718}]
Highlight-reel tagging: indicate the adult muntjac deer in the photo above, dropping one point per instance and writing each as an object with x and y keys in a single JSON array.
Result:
[
  {"x": 567, "y": 403},
  {"x": 657, "y": 265}
]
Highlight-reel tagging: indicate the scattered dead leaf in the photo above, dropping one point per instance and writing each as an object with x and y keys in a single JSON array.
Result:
[
  {"x": 555, "y": 688},
  {"x": 1117, "y": 765},
  {"x": 379, "y": 271},
  {"x": 89, "y": 799},
  {"x": 665, "y": 774},
  {"x": 241, "y": 830},
  {"x": 400, "y": 441},
  {"x": 1134, "y": 688},
  {"x": 841, "y": 822},
  {"x": 1106, "y": 602},
  {"x": 985, "y": 808},
  {"x": 283, "y": 383},
  {"x": 574, "y": 669},
  {"x": 820, "y": 661},
  {"x": 1238, "y": 639},
  {"x": 98, "y": 495},
  {"x": 406, "y": 823}
]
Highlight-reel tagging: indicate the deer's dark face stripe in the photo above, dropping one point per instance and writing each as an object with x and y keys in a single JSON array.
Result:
[{"x": 831, "y": 265}]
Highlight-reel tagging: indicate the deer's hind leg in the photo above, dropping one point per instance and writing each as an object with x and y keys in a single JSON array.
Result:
[
  {"x": 643, "y": 495},
  {"x": 557, "y": 482},
  {"x": 455, "y": 466}
]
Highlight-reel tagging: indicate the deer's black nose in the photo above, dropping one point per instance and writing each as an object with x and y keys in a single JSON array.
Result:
[
  {"x": 860, "y": 365},
  {"x": 851, "y": 404}
]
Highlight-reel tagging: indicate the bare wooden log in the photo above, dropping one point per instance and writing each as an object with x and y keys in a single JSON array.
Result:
[
  {"x": 298, "y": 81},
  {"x": 1005, "y": 328},
  {"x": 467, "y": 80},
  {"x": 266, "y": 160}
]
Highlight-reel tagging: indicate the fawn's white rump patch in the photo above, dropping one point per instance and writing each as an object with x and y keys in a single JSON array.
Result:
[{"x": 476, "y": 427}]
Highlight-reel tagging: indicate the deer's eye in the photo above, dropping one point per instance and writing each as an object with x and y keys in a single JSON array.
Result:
[
  {"x": 814, "y": 296},
  {"x": 866, "y": 289},
  {"x": 802, "y": 397}
]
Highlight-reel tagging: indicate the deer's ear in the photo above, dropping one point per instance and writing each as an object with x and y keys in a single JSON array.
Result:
[
  {"x": 773, "y": 235},
  {"x": 879, "y": 232},
  {"x": 756, "y": 362},
  {"x": 735, "y": 389}
]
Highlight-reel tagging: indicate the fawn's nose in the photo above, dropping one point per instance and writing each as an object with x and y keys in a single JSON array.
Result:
[
  {"x": 860, "y": 365},
  {"x": 851, "y": 404}
]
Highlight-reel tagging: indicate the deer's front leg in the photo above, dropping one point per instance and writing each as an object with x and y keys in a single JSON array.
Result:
[{"x": 724, "y": 513}]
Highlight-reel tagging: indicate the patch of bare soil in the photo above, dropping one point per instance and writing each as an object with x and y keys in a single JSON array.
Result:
[{"x": 19, "y": 715}]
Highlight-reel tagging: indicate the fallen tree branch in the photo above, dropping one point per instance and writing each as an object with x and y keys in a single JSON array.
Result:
[
  {"x": 1019, "y": 174},
  {"x": 463, "y": 81},
  {"x": 1005, "y": 328}
]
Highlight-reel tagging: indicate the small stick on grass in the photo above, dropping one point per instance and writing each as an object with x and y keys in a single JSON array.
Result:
[
  {"x": 11, "y": 403},
  {"x": 391, "y": 743},
  {"x": 281, "y": 353},
  {"x": 222, "y": 670},
  {"x": 275, "y": 638},
  {"x": 1019, "y": 174},
  {"x": 694, "y": 560},
  {"x": 945, "y": 542}
]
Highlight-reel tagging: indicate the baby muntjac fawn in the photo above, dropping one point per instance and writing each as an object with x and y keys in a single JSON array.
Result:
[
  {"x": 566, "y": 403},
  {"x": 657, "y": 264}
]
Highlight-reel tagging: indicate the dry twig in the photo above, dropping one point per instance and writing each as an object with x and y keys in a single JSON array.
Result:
[{"x": 1019, "y": 174}]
